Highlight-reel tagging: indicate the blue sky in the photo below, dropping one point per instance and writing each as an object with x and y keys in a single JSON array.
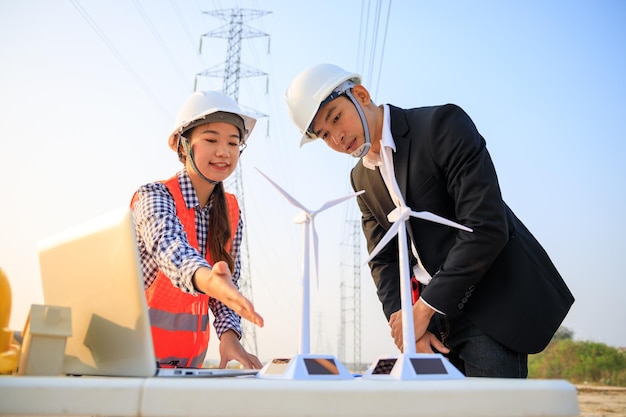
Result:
[{"x": 90, "y": 89}]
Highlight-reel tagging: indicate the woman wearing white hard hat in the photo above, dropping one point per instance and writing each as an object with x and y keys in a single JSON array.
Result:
[{"x": 189, "y": 232}]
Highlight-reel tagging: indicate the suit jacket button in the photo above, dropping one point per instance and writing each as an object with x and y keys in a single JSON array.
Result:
[
  {"x": 472, "y": 287},
  {"x": 468, "y": 293},
  {"x": 460, "y": 306}
]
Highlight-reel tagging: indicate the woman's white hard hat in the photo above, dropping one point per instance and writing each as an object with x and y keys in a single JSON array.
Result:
[{"x": 200, "y": 105}]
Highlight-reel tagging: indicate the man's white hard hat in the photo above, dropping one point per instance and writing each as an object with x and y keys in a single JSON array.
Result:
[{"x": 309, "y": 89}]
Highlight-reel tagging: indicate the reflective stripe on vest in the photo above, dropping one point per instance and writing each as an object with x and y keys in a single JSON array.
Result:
[{"x": 180, "y": 321}]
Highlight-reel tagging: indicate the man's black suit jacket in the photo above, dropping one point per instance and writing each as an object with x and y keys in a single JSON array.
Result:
[{"x": 499, "y": 275}]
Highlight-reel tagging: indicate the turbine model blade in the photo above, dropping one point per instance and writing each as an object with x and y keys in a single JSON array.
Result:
[
  {"x": 284, "y": 193},
  {"x": 391, "y": 233},
  {"x": 336, "y": 201},
  {"x": 426, "y": 215}
]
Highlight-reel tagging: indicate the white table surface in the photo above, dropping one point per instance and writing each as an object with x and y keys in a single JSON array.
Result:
[{"x": 248, "y": 396}]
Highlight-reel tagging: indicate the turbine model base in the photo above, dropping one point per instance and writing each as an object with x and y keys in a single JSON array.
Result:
[
  {"x": 307, "y": 366},
  {"x": 415, "y": 366}
]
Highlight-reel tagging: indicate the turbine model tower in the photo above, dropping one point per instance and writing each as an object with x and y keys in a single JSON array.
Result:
[
  {"x": 409, "y": 365},
  {"x": 305, "y": 365}
]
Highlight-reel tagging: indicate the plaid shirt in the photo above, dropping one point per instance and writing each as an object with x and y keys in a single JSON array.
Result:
[{"x": 163, "y": 244}]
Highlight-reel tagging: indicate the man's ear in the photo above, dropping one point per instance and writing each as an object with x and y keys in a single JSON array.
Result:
[{"x": 361, "y": 94}]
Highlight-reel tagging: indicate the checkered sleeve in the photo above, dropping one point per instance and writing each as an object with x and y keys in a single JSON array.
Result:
[
  {"x": 162, "y": 240},
  {"x": 225, "y": 318}
]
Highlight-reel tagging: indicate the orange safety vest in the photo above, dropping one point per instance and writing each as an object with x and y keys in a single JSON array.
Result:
[{"x": 180, "y": 321}]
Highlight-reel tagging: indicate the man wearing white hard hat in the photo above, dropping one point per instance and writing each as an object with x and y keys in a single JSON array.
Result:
[
  {"x": 487, "y": 297},
  {"x": 189, "y": 232}
]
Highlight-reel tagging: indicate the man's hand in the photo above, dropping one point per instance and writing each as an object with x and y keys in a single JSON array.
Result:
[
  {"x": 424, "y": 340},
  {"x": 218, "y": 283},
  {"x": 231, "y": 349}
]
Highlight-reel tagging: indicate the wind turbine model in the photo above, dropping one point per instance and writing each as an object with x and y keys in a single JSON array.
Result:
[
  {"x": 409, "y": 364},
  {"x": 306, "y": 365}
]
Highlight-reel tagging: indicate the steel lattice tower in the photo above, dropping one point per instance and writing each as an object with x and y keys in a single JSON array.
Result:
[
  {"x": 351, "y": 312},
  {"x": 232, "y": 70},
  {"x": 341, "y": 345},
  {"x": 356, "y": 271}
]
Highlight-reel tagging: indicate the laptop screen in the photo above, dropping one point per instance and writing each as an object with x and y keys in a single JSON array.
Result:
[{"x": 94, "y": 269}]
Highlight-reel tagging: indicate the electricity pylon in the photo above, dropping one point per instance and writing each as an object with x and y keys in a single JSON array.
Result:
[
  {"x": 350, "y": 312},
  {"x": 356, "y": 275},
  {"x": 232, "y": 70}
]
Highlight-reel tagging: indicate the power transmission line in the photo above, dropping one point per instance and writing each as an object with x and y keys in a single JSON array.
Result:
[
  {"x": 368, "y": 38},
  {"x": 119, "y": 57},
  {"x": 160, "y": 41},
  {"x": 368, "y": 51}
]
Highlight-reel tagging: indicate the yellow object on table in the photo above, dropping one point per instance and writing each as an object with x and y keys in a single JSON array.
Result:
[{"x": 9, "y": 351}]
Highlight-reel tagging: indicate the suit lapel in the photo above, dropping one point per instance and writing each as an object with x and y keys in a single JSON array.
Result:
[{"x": 399, "y": 130}]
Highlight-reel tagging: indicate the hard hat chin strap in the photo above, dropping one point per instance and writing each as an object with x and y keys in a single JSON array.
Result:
[
  {"x": 189, "y": 152},
  {"x": 362, "y": 150}
]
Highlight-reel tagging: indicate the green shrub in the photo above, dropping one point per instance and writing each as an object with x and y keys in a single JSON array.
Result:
[{"x": 579, "y": 362}]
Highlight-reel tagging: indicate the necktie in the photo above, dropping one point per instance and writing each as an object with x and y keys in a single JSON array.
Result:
[{"x": 387, "y": 172}]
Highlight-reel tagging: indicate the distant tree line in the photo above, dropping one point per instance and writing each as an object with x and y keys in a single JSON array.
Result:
[{"x": 579, "y": 362}]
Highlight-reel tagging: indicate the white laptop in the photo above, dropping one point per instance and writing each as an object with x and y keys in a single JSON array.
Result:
[{"x": 94, "y": 269}]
